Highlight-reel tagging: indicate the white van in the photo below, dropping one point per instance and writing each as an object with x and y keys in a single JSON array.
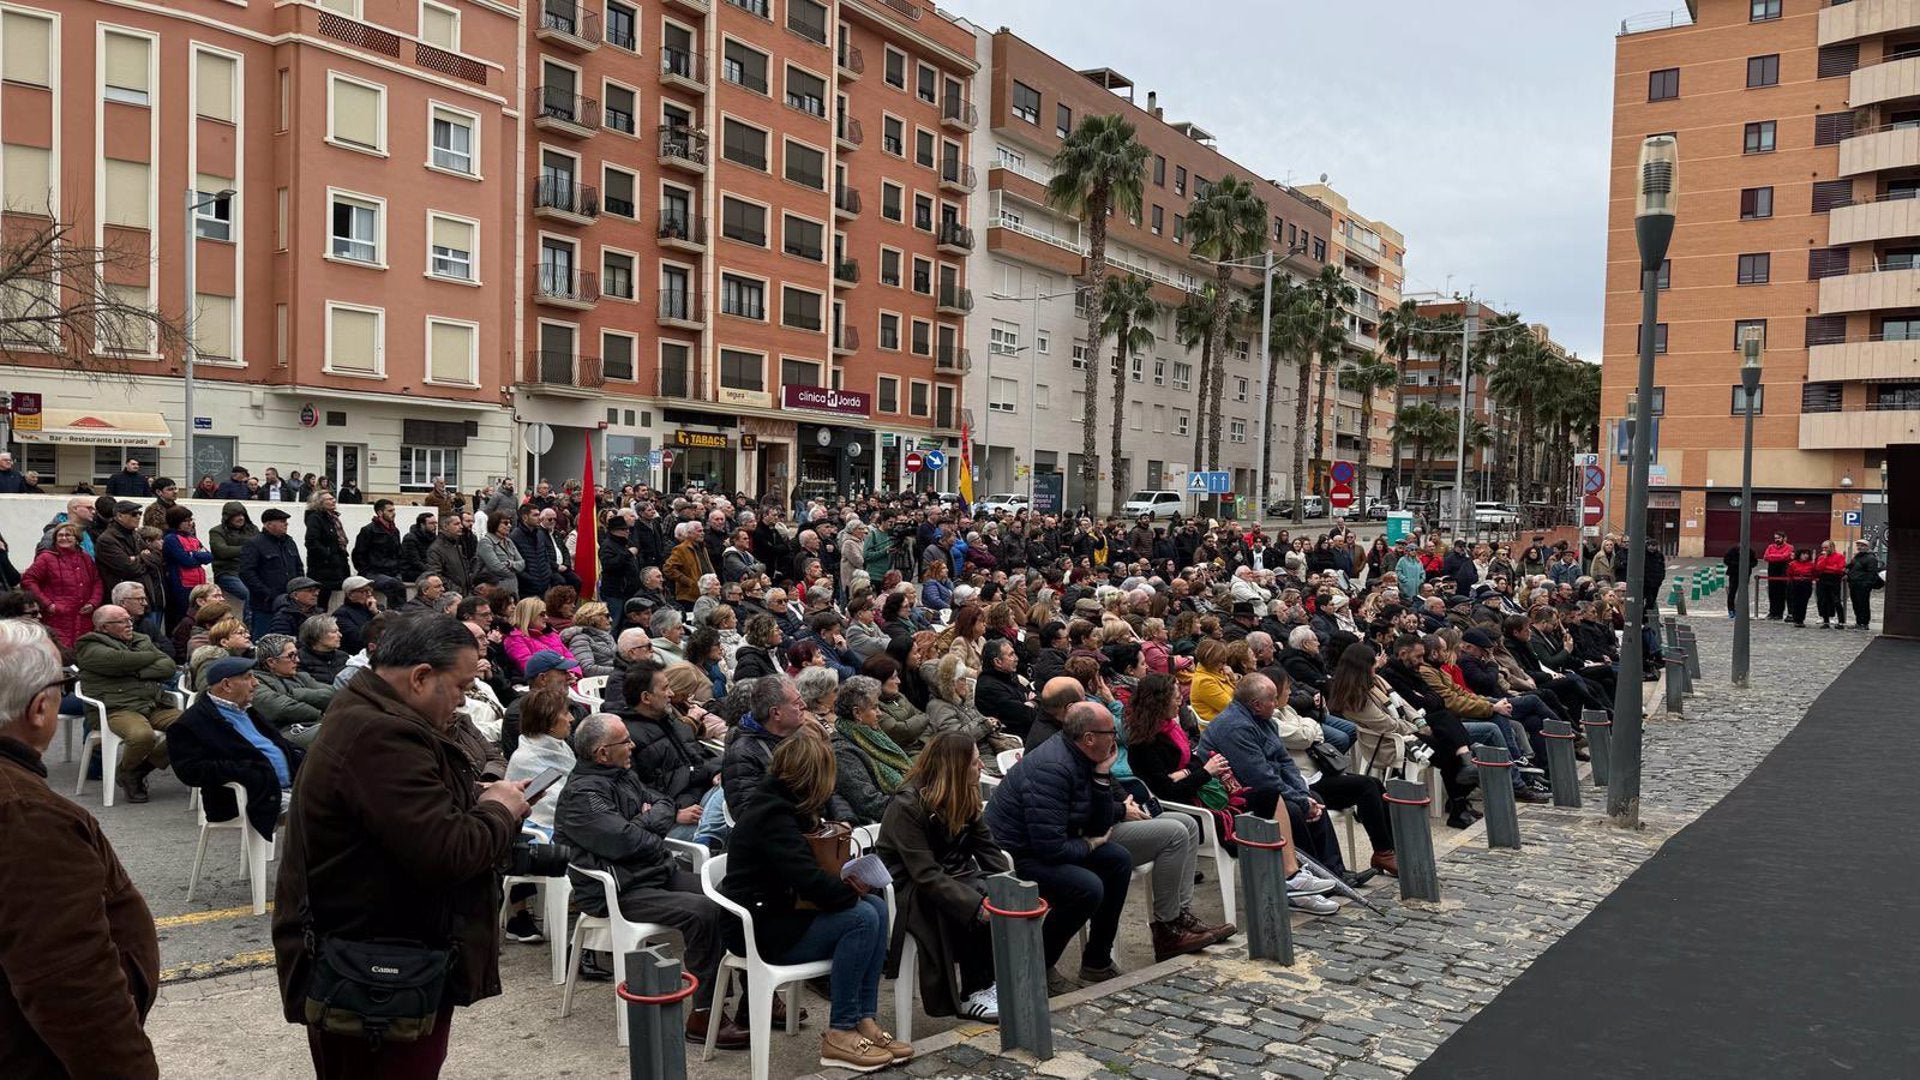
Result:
[{"x": 1158, "y": 505}]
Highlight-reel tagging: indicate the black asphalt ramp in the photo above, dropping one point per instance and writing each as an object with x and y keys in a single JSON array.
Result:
[{"x": 1776, "y": 937}]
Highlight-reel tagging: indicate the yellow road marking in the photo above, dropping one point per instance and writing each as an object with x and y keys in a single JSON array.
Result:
[
  {"x": 238, "y": 962},
  {"x": 192, "y": 918}
]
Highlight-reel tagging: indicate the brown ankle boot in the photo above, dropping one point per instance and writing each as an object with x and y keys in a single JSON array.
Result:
[
  {"x": 1170, "y": 940},
  {"x": 731, "y": 1036},
  {"x": 1386, "y": 863}
]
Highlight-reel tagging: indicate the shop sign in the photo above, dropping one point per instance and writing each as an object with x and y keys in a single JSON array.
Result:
[
  {"x": 756, "y": 399},
  {"x": 700, "y": 440},
  {"x": 824, "y": 399},
  {"x": 749, "y": 442}
]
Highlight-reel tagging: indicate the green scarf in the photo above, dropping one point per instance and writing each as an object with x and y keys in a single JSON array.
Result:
[{"x": 890, "y": 763}]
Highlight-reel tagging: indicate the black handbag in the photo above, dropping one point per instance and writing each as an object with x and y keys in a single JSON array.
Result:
[
  {"x": 1331, "y": 759},
  {"x": 384, "y": 990}
]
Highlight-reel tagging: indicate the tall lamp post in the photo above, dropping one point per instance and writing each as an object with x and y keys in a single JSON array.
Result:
[
  {"x": 1653, "y": 230},
  {"x": 195, "y": 203},
  {"x": 1743, "y": 614}
]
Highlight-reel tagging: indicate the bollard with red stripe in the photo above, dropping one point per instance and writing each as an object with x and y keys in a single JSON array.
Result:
[
  {"x": 1496, "y": 796},
  {"x": 1015, "y": 913},
  {"x": 1263, "y": 881},
  {"x": 1407, "y": 803}
]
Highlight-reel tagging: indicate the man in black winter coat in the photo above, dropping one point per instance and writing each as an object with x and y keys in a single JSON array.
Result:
[
  {"x": 776, "y": 713},
  {"x": 666, "y": 755},
  {"x": 268, "y": 562},
  {"x": 415, "y": 545},
  {"x": 999, "y": 693},
  {"x": 220, "y": 740},
  {"x": 619, "y": 564},
  {"x": 376, "y": 554}
]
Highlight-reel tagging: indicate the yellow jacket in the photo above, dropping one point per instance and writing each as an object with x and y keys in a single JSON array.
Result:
[{"x": 1212, "y": 692}]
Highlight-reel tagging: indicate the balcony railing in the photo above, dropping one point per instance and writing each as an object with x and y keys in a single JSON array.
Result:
[
  {"x": 566, "y": 285},
  {"x": 738, "y": 75},
  {"x": 803, "y": 23},
  {"x": 847, "y": 201},
  {"x": 846, "y": 271},
  {"x": 846, "y": 339},
  {"x": 620, "y": 120},
  {"x": 957, "y": 175},
  {"x": 959, "y": 112},
  {"x": 683, "y": 227},
  {"x": 955, "y": 235},
  {"x": 571, "y": 22},
  {"x": 561, "y": 194},
  {"x": 562, "y": 105},
  {"x": 952, "y": 359},
  {"x": 677, "y": 63},
  {"x": 559, "y": 368},
  {"x": 905, "y": 7},
  {"x": 848, "y": 131},
  {"x": 681, "y": 305},
  {"x": 676, "y": 381},
  {"x": 373, "y": 39},
  {"x": 447, "y": 63},
  {"x": 852, "y": 60},
  {"x": 953, "y": 298},
  {"x": 802, "y": 320},
  {"x": 683, "y": 144}
]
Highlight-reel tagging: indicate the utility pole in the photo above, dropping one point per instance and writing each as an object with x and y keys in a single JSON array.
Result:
[{"x": 1462, "y": 509}]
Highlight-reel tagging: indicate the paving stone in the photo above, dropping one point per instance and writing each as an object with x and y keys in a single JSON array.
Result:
[
  {"x": 1150, "y": 1071},
  {"x": 1247, "y": 1038}
]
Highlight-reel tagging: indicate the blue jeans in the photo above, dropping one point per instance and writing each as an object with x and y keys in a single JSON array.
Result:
[
  {"x": 1339, "y": 731},
  {"x": 1489, "y": 733},
  {"x": 713, "y": 829},
  {"x": 856, "y": 941}
]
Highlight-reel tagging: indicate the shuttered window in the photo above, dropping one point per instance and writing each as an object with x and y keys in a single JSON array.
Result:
[
  {"x": 26, "y": 179},
  {"x": 124, "y": 68},
  {"x": 353, "y": 340},
  {"x": 127, "y": 194},
  {"x": 1838, "y": 60},
  {"x": 25, "y": 48},
  {"x": 213, "y": 86},
  {"x": 1828, "y": 194},
  {"x": 213, "y": 326},
  {"x": 358, "y": 114},
  {"x": 1830, "y": 128},
  {"x": 1826, "y": 330},
  {"x": 450, "y": 350},
  {"x": 1826, "y": 262}
]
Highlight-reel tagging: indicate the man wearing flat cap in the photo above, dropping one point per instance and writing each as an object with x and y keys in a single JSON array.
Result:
[{"x": 220, "y": 740}]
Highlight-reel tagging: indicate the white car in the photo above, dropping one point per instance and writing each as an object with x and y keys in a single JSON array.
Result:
[
  {"x": 1498, "y": 515},
  {"x": 1006, "y": 503},
  {"x": 1157, "y": 505}
]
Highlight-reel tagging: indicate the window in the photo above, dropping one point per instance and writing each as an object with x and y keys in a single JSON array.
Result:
[
  {"x": 440, "y": 27},
  {"x": 1756, "y": 202},
  {"x": 923, "y": 147},
  {"x": 923, "y": 212},
  {"x": 743, "y": 221},
  {"x": 1837, "y": 61},
  {"x": 743, "y": 65},
  {"x": 453, "y": 349},
  {"x": 1319, "y": 250},
  {"x": 1237, "y": 431},
  {"x": 1239, "y": 389},
  {"x": 925, "y": 84},
  {"x": 743, "y": 298},
  {"x": 128, "y": 193},
  {"x": 1079, "y": 356},
  {"x": 1663, "y": 279},
  {"x": 1179, "y": 180},
  {"x": 450, "y": 244},
  {"x": 806, "y": 92},
  {"x": 1179, "y": 228},
  {"x": 1743, "y": 327},
  {"x": 452, "y": 134},
  {"x": 805, "y": 165},
  {"x": 917, "y": 399},
  {"x": 1659, "y": 339},
  {"x": 213, "y": 326},
  {"x": 889, "y": 331},
  {"x": 1740, "y": 401},
  {"x": 1830, "y": 128},
  {"x": 1159, "y": 371},
  {"x": 743, "y": 144},
  {"x": 1763, "y": 70},
  {"x": 742, "y": 370},
  {"x": 125, "y": 66},
  {"x": 890, "y": 267},
  {"x": 1764, "y": 11},
  {"x": 616, "y": 275},
  {"x": 421, "y": 465},
  {"x": 1759, "y": 138},
  {"x": 922, "y": 276},
  {"x": 1827, "y": 262},
  {"x": 893, "y": 136},
  {"x": 1829, "y": 194},
  {"x": 890, "y": 202},
  {"x": 808, "y": 19},
  {"x": 621, "y": 23},
  {"x": 1137, "y": 367},
  {"x": 1663, "y": 85},
  {"x": 920, "y": 338},
  {"x": 1832, "y": 330},
  {"x": 1157, "y": 220},
  {"x": 356, "y": 114},
  {"x": 213, "y": 86},
  {"x": 1043, "y": 343},
  {"x": 1755, "y": 269},
  {"x": 1026, "y": 102},
  {"x": 799, "y": 372},
  {"x": 803, "y": 239},
  {"x": 356, "y": 228},
  {"x": 355, "y": 340},
  {"x": 887, "y": 390},
  {"x": 1002, "y": 395},
  {"x": 1003, "y": 338},
  {"x": 617, "y": 193},
  {"x": 619, "y": 108},
  {"x": 1062, "y": 120},
  {"x": 212, "y": 213},
  {"x": 27, "y": 57},
  {"x": 1182, "y": 375},
  {"x": 896, "y": 68},
  {"x": 1182, "y": 422},
  {"x": 800, "y": 309}
]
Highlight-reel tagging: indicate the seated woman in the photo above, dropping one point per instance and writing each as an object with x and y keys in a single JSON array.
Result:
[
  {"x": 590, "y": 639},
  {"x": 953, "y": 709},
  {"x": 818, "y": 685},
  {"x": 320, "y": 653},
  {"x": 1356, "y": 693},
  {"x": 871, "y": 766},
  {"x": 1213, "y": 679},
  {"x": 770, "y": 868},
  {"x": 1159, "y": 750},
  {"x": 545, "y": 721},
  {"x": 532, "y": 634},
  {"x": 1365, "y": 795},
  {"x": 903, "y": 722},
  {"x": 758, "y": 655},
  {"x": 228, "y": 637},
  {"x": 934, "y": 840}
]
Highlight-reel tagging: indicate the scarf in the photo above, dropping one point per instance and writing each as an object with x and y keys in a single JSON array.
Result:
[
  {"x": 890, "y": 763},
  {"x": 1178, "y": 734}
]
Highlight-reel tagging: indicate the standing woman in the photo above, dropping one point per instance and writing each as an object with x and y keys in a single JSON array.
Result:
[
  {"x": 1863, "y": 576},
  {"x": 187, "y": 562},
  {"x": 934, "y": 840},
  {"x": 1829, "y": 573},
  {"x": 326, "y": 546},
  {"x": 67, "y": 582},
  {"x": 1799, "y": 585},
  {"x": 770, "y": 869},
  {"x": 501, "y": 555}
]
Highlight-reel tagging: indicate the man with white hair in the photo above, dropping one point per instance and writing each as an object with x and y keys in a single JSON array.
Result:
[
  {"x": 77, "y": 941},
  {"x": 128, "y": 673},
  {"x": 1260, "y": 643},
  {"x": 687, "y": 561},
  {"x": 11, "y": 482}
]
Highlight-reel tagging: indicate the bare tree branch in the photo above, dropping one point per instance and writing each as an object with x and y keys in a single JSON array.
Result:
[{"x": 58, "y": 300}]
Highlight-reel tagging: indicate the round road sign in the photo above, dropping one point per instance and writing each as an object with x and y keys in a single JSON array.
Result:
[
  {"x": 935, "y": 460},
  {"x": 1342, "y": 473},
  {"x": 1591, "y": 510},
  {"x": 666, "y": 459},
  {"x": 539, "y": 439},
  {"x": 1340, "y": 497},
  {"x": 914, "y": 461}
]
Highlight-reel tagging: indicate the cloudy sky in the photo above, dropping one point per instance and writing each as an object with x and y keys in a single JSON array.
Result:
[{"x": 1479, "y": 130}]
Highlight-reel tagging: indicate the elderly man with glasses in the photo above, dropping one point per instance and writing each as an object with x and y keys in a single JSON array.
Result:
[
  {"x": 130, "y": 675},
  {"x": 223, "y": 739}
]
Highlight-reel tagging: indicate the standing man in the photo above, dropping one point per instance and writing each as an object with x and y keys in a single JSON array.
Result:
[
  {"x": 11, "y": 482},
  {"x": 128, "y": 483},
  {"x": 268, "y": 562},
  {"x": 79, "y": 959},
  {"x": 165, "y": 494},
  {"x": 376, "y": 553},
  {"x": 392, "y": 837}
]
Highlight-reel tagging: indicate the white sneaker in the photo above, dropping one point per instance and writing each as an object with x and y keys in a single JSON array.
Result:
[
  {"x": 1312, "y": 905},
  {"x": 1305, "y": 883},
  {"x": 982, "y": 1005}
]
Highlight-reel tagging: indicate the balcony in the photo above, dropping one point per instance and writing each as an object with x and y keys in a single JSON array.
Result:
[
  {"x": 683, "y": 69},
  {"x": 1889, "y": 80},
  {"x": 761, "y": 8},
  {"x": 1895, "y": 146},
  {"x": 1890, "y": 217},
  {"x": 1874, "y": 427},
  {"x": 558, "y": 198},
  {"x": 559, "y": 109},
  {"x": 701, "y": 6},
  {"x": 846, "y": 340},
  {"x": 959, "y": 114},
  {"x": 681, "y": 309},
  {"x": 852, "y": 63},
  {"x": 954, "y": 300},
  {"x": 682, "y": 231},
  {"x": 952, "y": 360},
  {"x": 1871, "y": 358},
  {"x": 1869, "y": 290},
  {"x": 954, "y": 239},
  {"x": 846, "y": 272},
  {"x": 563, "y": 374},
  {"x": 958, "y": 177},
  {"x": 1865, "y": 18},
  {"x": 568, "y": 26},
  {"x": 848, "y": 133},
  {"x": 683, "y": 148},
  {"x": 676, "y": 381},
  {"x": 562, "y": 286},
  {"x": 806, "y": 25},
  {"x": 846, "y": 203}
]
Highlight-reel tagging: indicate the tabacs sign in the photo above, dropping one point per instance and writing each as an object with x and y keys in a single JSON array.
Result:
[{"x": 700, "y": 440}]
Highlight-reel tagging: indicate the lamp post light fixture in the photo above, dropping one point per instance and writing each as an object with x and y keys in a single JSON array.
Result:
[
  {"x": 1743, "y": 612},
  {"x": 1653, "y": 230},
  {"x": 196, "y": 201}
]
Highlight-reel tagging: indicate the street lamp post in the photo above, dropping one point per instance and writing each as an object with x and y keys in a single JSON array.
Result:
[
  {"x": 1653, "y": 230},
  {"x": 1462, "y": 516},
  {"x": 1743, "y": 614},
  {"x": 195, "y": 201}
]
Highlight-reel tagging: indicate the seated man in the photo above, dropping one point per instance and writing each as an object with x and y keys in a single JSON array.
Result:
[
  {"x": 1484, "y": 676},
  {"x": 776, "y": 712},
  {"x": 222, "y": 739},
  {"x": 668, "y": 755},
  {"x": 1056, "y": 695},
  {"x": 292, "y": 610},
  {"x": 633, "y": 647},
  {"x": 1251, "y": 743},
  {"x": 1302, "y": 661},
  {"x": 619, "y": 825},
  {"x": 128, "y": 673},
  {"x": 354, "y": 613},
  {"x": 1000, "y": 692},
  {"x": 288, "y": 699}
]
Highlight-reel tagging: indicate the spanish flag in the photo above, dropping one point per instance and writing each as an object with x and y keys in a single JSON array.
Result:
[{"x": 966, "y": 464}]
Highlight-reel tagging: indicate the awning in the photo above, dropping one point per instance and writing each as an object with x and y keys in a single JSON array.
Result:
[{"x": 83, "y": 427}]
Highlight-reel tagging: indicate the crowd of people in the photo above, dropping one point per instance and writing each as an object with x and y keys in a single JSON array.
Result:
[{"x": 1064, "y": 697}]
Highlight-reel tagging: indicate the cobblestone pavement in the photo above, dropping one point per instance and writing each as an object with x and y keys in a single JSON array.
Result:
[{"x": 1369, "y": 997}]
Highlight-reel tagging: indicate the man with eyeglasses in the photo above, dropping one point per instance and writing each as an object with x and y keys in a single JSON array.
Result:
[
  {"x": 223, "y": 739},
  {"x": 128, "y": 673},
  {"x": 78, "y": 946},
  {"x": 634, "y": 648}
]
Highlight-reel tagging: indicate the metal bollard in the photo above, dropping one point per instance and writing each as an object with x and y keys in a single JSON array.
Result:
[
  {"x": 1599, "y": 731},
  {"x": 1563, "y": 768},
  {"x": 1407, "y": 804},
  {"x": 1020, "y": 964},
  {"x": 1263, "y": 881},
  {"x": 1670, "y": 632},
  {"x": 656, "y": 1021},
  {"x": 1676, "y": 683},
  {"x": 1691, "y": 647},
  {"x": 1680, "y": 594},
  {"x": 1496, "y": 796}
]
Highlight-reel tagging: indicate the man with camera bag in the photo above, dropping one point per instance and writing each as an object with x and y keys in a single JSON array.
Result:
[{"x": 389, "y": 889}]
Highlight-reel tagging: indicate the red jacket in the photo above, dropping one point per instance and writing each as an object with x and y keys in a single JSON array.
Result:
[
  {"x": 1800, "y": 571},
  {"x": 1832, "y": 564},
  {"x": 1778, "y": 553},
  {"x": 68, "y": 585}
]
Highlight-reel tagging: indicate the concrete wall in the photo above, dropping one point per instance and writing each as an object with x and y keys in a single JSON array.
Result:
[{"x": 22, "y": 517}]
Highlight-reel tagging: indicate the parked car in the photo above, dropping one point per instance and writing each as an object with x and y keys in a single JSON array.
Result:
[
  {"x": 1316, "y": 506},
  {"x": 1377, "y": 509},
  {"x": 1495, "y": 515},
  {"x": 1155, "y": 504},
  {"x": 1005, "y": 503}
]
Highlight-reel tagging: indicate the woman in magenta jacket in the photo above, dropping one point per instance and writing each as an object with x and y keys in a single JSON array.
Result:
[
  {"x": 68, "y": 585},
  {"x": 531, "y": 634}
]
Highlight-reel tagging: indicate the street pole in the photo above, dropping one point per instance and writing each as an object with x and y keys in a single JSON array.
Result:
[
  {"x": 1266, "y": 383},
  {"x": 186, "y": 351},
  {"x": 1653, "y": 229},
  {"x": 1461, "y": 517},
  {"x": 1743, "y": 614},
  {"x": 1033, "y": 411}
]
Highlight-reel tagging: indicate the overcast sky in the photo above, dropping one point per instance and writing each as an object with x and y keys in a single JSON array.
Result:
[{"x": 1479, "y": 130}]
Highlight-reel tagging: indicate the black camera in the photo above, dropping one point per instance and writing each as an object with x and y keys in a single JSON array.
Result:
[{"x": 528, "y": 859}]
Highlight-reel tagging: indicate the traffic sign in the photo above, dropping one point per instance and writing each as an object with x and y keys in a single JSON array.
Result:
[
  {"x": 539, "y": 439},
  {"x": 1850, "y": 518},
  {"x": 666, "y": 459},
  {"x": 1342, "y": 473},
  {"x": 1594, "y": 480},
  {"x": 915, "y": 462},
  {"x": 1218, "y": 482},
  {"x": 1588, "y": 459},
  {"x": 654, "y": 458},
  {"x": 1591, "y": 510},
  {"x": 935, "y": 460},
  {"x": 1341, "y": 496}
]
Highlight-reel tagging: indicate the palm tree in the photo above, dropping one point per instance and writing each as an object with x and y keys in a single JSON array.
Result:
[
  {"x": 1333, "y": 295},
  {"x": 1127, "y": 311},
  {"x": 1101, "y": 168},
  {"x": 1402, "y": 331},
  {"x": 1424, "y": 425},
  {"x": 1193, "y": 328},
  {"x": 1227, "y": 224},
  {"x": 1516, "y": 362},
  {"x": 1365, "y": 377}
]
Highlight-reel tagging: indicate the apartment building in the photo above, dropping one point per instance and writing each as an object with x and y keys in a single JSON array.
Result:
[
  {"x": 1799, "y": 132},
  {"x": 338, "y": 172},
  {"x": 1372, "y": 257},
  {"x": 1028, "y": 333},
  {"x": 747, "y": 238}
]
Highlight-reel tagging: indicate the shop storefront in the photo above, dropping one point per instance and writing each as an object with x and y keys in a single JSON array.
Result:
[
  {"x": 701, "y": 459},
  {"x": 836, "y": 452}
]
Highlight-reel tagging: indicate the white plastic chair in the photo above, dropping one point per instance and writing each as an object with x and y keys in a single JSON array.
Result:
[
  {"x": 608, "y": 933},
  {"x": 590, "y": 691},
  {"x": 109, "y": 744},
  {"x": 1213, "y": 846},
  {"x": 555, "y": 893},
  {"x": 696, "y": 853},
  {"x": 764, "y": 979},
  {"x": 1007, "y": 759},
  {"x": 255, "y": 850}
]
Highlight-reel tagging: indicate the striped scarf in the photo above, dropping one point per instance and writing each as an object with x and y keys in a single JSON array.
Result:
[{"x": 890, "y": 763}]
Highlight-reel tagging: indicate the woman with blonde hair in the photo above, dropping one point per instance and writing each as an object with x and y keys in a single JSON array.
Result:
[
  {"x": 590, "y": 639},
  {"x": 1214, "y": 677},
  {"x": 228, "y": 637},
  {"x": 531, "y": 634}
]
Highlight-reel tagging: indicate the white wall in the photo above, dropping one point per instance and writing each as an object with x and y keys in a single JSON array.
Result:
[{"x": 22, "y": 517}]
